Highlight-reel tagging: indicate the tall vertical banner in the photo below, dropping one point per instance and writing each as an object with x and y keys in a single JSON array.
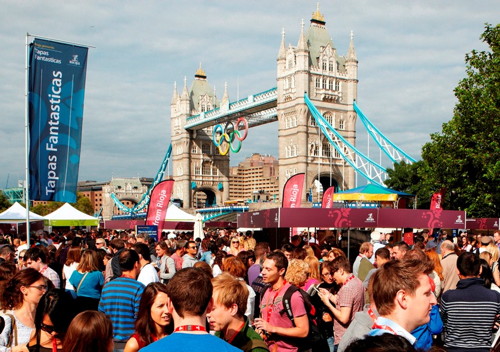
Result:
[
  {"x": 56, "y": 89},
  {"x": 327, "y": 201},
  {"x": 292, "y": 192},
  {"x": 158, "y": 204},
  {"x": 437, "y": 199}
]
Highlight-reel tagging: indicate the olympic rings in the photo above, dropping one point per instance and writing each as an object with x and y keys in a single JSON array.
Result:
[{"x": 228, "y": 134}]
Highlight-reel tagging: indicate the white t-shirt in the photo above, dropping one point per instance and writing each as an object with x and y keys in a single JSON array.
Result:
[
  {"x": 68, "y": 271},
  {"x": 148, "y": 275}
]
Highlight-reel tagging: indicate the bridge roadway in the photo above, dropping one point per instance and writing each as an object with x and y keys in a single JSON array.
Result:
[{"x": 258, "y": 109}]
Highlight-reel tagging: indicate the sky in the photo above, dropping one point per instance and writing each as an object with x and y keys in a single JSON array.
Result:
[{"x": 411, "y": 56}]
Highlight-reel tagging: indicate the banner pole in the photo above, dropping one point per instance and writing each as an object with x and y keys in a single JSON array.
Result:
[{"x": 26, "y": 146}]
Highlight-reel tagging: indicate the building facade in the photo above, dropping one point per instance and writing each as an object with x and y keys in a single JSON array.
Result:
[
  {"x": 314, "y": 67},
  {"x": 254, "y": 180}
]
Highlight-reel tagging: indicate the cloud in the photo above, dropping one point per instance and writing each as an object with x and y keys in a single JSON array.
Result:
[{"x": 411, "y": 56}]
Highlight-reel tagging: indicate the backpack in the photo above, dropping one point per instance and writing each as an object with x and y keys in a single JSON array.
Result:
[{"x": 314, "y": 340}]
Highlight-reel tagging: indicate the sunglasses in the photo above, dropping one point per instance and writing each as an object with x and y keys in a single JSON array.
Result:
[
  {"x": 48, "y": 328},
  {"x": 40, "y": 287}
]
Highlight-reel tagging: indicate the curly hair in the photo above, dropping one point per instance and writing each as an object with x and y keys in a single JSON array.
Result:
[{"x": 297, "y": 272}]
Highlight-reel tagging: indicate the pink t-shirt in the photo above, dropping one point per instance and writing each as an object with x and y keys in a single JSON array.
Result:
[
  {"x": 272, "y": 310},
  {"x": 351, "y": 294}
]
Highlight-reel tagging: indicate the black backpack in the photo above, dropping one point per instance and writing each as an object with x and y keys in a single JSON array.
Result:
[{"x": 314, "y": 340}]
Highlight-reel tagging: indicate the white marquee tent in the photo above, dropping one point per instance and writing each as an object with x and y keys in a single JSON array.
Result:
[
  {"x": 17, "y": 213},
  {"x": 67, "y": 215}
]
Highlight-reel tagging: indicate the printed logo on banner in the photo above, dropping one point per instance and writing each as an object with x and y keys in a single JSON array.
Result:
[
  {"x": 74, "y": 60},
  {"x": 459, "y": 220},
  {"x": 370, "y": 218}
]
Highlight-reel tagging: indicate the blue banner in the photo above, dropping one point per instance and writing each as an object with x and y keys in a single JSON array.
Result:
[{"x": 56, "y": 85}]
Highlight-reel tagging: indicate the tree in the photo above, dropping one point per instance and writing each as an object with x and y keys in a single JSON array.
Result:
[
  {"x": 4, "y": 202},
  {"x": 465, "y": 156},
  {"x": 412, "y": 178},
  {"x": 84, "y": 205}
]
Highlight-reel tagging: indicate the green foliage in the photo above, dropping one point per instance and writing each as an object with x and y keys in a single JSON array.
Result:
[
  {"x": 4, "y": 202},
  {"x": 411, "y": 178},
  {"x": 44, "y": 209},
  {"x": 465, "y": 156},
  {"x": 84, "y": 205}
]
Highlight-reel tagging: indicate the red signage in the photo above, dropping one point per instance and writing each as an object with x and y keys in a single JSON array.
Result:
[
  {"x": 292, "y": 192},
  {"x": 158, "y": 204},
  {"x": 327, "y": 201}
]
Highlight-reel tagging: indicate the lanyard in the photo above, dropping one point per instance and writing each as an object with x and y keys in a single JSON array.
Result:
[
  {"x": 372, "y": 315},
  {"x": 190, "y": 328},
  {"x": 235, "y": 333}
]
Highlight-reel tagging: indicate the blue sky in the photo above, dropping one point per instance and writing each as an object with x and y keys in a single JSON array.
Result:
[{"x": 411, "y": 57}]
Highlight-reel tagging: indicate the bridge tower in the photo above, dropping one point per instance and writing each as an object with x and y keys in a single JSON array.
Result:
[
  {"x": 201, "y": 174},
  {"x": 330, "y": 80}
]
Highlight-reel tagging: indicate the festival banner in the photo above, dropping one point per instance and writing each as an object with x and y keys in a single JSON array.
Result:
[
  {"x": 292, "y": 192},
  {"x": 327, "y": 201},
  {"x": 56, "y": 89},
  {"x": 438, "y": 199},
  {"x": 158, "y": 204}
]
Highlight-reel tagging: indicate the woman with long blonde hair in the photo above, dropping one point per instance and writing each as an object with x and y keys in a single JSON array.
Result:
[{"x": 437, "y": 273}]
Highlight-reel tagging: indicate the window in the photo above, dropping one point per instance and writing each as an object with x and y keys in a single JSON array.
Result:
[
  {"x": 337, "y": 85},
  {"x": 329, "y": 118},
  {"x": 206, "y": 169},
  {"x": 197, "y": 170},
  {"x": 324, "y": 65},
  {"x": 330, "y": 84},
  {"x": 324, "y": 83},
  {"x": 341, "y": 124},
  {"x": 205, "y": 148},
  {"x": 330, "y": 66},
  {"x": 313, "y": 121},
  {"x": 194, "y": 149},
  {"x": 318, "y": 82},
  {"x": 336, "y": 154},
  {"x": 327, "y": 150}
]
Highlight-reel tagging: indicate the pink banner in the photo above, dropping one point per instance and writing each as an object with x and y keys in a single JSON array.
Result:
[
  {"x": 158, "y": 204},
  {"x": 292, "y": 192},
  {"x": 438, "y": 199},
  {"x": 327, "y": 201}
]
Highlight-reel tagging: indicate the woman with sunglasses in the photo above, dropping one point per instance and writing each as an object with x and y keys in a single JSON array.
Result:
[
  {"x": 53, "y": 316},
  {"x": 154, "y": 318},
  {"x": 235, "y": 246},
  {"x": 19, "y": 302}
]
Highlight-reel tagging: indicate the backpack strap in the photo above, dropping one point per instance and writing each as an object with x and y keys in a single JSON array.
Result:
[{"x": 287, "y": 302}]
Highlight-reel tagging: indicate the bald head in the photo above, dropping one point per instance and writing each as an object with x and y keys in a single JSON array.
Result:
[{"x": 447, "y": 247}]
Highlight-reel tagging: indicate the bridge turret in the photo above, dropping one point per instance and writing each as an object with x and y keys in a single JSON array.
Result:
[{"x": 352, "y": 72}]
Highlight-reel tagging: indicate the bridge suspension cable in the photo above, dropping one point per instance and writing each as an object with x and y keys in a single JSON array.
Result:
[
  {"x": 144, "y": 201},
  {"x": 392, "y": 151},
  {"x": 368, "y": 168}
]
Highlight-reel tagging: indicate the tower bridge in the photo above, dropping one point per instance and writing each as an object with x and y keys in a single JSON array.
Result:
[{"x": 204, "y": 130}]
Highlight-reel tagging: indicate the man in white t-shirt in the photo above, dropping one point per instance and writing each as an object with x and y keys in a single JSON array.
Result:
[{"x": 148, "y": 272}]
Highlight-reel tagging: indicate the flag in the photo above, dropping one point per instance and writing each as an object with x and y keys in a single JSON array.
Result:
[
  {"x": 158, "y": 204},
  {"x": 327, "y": 201},
  {"x": 56, "y": 89},
  {"x": 438, "y": 199},
  {"x": 292, "y": 192}
]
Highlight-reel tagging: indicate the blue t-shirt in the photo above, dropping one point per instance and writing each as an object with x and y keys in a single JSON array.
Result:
[
  {"x": 91, "y": 286},
  {"x": 184, "y": 342}
]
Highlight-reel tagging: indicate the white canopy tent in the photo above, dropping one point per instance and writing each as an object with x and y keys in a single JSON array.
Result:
[
  {"x": 17, "y": 213},
  {"x": 67, "y": 215},
  {"x": 174, "y": 213}
]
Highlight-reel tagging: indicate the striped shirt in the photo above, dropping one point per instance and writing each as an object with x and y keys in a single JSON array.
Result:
[
  {"x": 469, "y": 313},
  {"x": 120, "y": 302}
]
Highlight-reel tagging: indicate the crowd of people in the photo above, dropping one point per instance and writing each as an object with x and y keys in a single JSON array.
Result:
[{"x": 110, "y": 291}]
